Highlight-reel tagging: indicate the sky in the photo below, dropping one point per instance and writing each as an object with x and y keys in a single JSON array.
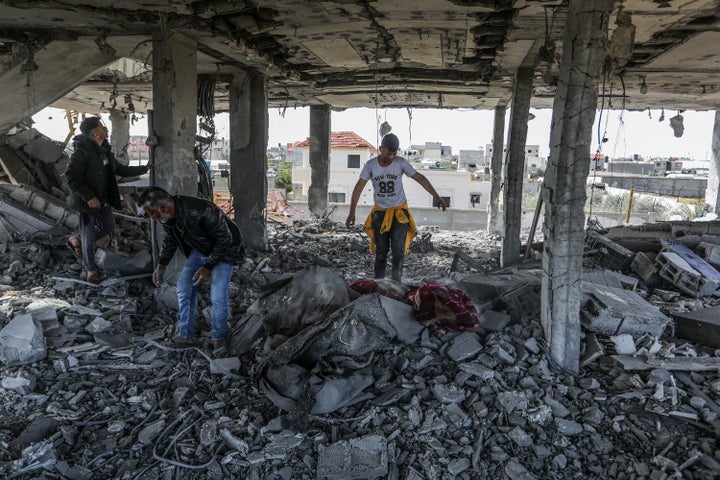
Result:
[{"x": 627, "y": 132}]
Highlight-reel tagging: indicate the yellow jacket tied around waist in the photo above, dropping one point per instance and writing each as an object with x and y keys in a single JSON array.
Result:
[{"x": 401, "y": 213}]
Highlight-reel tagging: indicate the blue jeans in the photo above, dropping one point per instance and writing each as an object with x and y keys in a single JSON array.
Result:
[
  {"x": 219, "y": 296},
  {"x": 394, "y": 241},
  {"x": 93, "y": 226}
]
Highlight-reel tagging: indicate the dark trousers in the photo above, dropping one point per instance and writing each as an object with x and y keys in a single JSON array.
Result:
[
  {"x": 393, "y": 239},
  {"x": 93, "y": 226}
]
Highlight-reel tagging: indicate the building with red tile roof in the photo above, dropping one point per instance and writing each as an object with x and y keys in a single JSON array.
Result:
[{"x": 343, "y": 140}]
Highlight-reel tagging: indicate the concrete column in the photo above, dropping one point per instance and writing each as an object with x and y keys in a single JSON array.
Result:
[
  {"x": 248, "y": 156},
  {"x": 120, "y": 135},
  {"x": 515, "y": 171},
  {"x": 712, "y": 193},
  {"x": 564, "y": 194},
  {"x": 319, "y": 158},
  {"x": 175, "y": 112},
  {"x": 496, "y": 167}
]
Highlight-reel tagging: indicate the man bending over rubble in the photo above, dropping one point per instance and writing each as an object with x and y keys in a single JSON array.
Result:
[
  {"x": 91, "y": 178},
  {"x": 390, "y": 224},
  {"x": 212, "y": 246}
]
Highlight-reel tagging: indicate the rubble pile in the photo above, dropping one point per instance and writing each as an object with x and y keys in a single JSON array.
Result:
[{"x": 356, "y": 388}]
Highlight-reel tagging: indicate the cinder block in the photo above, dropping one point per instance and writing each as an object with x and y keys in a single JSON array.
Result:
[
  {"x": 606, "y": 253},
  {"x": 709, "y": 277}
]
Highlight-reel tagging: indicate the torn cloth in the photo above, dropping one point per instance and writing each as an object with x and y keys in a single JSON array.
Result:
[{"x": 401, "y": 213}]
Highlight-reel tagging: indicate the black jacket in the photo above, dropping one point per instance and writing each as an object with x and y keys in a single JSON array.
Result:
[
  {"x": 201, "y": 225},
  {"x": 87, "y": 177}
]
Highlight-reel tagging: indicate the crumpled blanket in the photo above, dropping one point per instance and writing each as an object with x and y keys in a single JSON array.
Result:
[{"x": 444, "y": 307}]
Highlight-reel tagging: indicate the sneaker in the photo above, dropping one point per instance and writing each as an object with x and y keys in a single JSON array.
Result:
[
  {"x": 179, "y": 341},
  {"x": 93, "y": 276}
]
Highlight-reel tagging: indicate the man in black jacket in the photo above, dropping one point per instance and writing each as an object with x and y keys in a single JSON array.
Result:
[
  {"x": 211, "y": 243},
  {"x": 91, "y": 177}
]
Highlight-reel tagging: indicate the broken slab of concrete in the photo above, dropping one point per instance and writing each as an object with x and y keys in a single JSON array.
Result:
[
  {"x": 22, "y": 341},
  {"x": 701, "y": 326},
  {"x": 358, "y": 458},
  {"x": 612, "y": 311},
  {"x": 711, "y": 253}
]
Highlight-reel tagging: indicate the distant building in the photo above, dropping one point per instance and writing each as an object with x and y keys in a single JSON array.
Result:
[
  {"x": 428, "y": 153},
  {"x": 349, "y": 153},
  {"x": 533, "y": 161},
  {"x": 471, "y": 160}
]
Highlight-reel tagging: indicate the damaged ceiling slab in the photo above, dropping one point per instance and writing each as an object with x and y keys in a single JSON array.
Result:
[{"x": 401, "y": 53}]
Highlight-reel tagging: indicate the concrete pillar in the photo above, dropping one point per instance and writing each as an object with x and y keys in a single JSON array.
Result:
[
  {"x": 319, "y": 158},
  {"x": 564, "y": 194},
  {"x": 248, "y": 156},
  {"x": 175, "y": 112},
  {"x": 712, "y": 193},
  {"x": 515, "y": 171},
  {"x": 496, "y": 167},
  {"x": 120, "y": 135}
]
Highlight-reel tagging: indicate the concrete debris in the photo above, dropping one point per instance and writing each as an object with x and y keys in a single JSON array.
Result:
[
  {"x": 613, "y": 311},
  {"x": 352, "y": 387}
]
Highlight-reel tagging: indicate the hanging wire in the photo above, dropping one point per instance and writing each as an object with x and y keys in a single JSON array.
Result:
[
  {"x": 600, "y": 140},
  {"x": 410, "y": 115}
]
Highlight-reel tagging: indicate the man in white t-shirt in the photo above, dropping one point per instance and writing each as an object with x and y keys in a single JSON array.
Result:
[{"x": 390, "y": 224}]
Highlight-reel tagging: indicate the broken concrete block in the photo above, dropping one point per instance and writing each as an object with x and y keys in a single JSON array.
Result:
[
  {"x": 687, "y": 271},
  {"x": 644, "y": 265},
  {"x": 359, "y": 458},
  {"x": 624, "y": 344},
  {"x": 22, "y": 341},
  {"x": 612, "y": 311},
  {"x": 464, "y": 346},
  {"x": 607, "y": 253},
  {"x": 494, "y": 321},
  {"x": 702, "y": 326}
]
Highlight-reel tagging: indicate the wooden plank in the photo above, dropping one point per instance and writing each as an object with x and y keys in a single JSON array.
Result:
[{"x": 693, "y": 364}]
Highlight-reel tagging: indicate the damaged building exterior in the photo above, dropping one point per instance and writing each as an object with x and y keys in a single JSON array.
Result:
[{"x": 592, "y": 353}]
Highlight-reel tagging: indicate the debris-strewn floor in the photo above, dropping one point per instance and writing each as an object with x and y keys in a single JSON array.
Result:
[{"x": 485, "y": 403}]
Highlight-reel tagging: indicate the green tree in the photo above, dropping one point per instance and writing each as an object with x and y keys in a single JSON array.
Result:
[{"x": 284, "y": 177}]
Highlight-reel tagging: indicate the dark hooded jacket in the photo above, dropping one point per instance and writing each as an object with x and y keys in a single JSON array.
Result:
[
  {"x": 88, "y": 177},
  {"x": 201, "y": 225}
]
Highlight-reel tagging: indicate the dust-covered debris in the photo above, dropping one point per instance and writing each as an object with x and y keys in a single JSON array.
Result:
[{"x": 109, "y": 399}]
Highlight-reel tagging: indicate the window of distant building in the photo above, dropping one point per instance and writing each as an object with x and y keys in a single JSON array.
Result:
[
  {"x": 336, "y": 197},
  {"x": 445, "y": 199},
  {"x": 474, "y": 199},
  {"x": 353, "y": 161}
]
